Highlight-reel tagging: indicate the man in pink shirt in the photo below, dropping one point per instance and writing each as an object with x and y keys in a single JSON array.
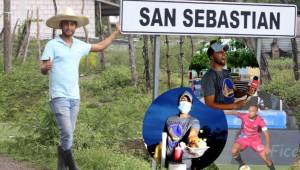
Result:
[{"x": 252, "y": 125}]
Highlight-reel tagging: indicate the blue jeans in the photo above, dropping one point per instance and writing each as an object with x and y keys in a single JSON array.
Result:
[{"x": 66, "y": 111}]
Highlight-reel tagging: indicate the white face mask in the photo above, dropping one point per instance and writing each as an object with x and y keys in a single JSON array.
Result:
[{"x": 185, "y": 107}]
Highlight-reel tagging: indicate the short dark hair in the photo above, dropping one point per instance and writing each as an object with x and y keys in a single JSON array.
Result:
[{"x": 210, "y": 52}]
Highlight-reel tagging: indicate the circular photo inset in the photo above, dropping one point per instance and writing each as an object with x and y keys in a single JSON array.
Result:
[{"x": 181, "y": 129}]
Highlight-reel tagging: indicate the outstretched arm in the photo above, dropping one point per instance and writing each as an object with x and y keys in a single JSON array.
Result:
[
  {"x": 231, "y": 112},
  {"x": 100, "y": 46},
  {"x": 210, "y": 101}
]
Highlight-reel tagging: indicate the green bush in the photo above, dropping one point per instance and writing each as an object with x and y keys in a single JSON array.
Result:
[
  {"x": 236, "y": 44},
  {"x": 21, "y": 90},
  {"x": 283, "y": 83},
  {"x": 92, "y": 62},
  {"x": 239, "y": 55},
  {"x": 112, "y": 77},
  {"x": 200, "y": 60},
  {"x": 242, "y": 57},
  {"x": 281, "y": 64}
]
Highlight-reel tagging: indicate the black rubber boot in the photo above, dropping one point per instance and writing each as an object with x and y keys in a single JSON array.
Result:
[
  {"x": 60, "y": 162},
  {"x": 69, "y": 160}
]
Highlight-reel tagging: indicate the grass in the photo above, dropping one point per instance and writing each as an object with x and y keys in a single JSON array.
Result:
[
  {"x": 111, "y": 113},
  {"x": 8, "y": 132},
  {"x": 253, "y": 167}
]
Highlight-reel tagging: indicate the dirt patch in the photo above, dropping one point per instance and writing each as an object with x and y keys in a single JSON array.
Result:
[{"x": 9, "y": 164}]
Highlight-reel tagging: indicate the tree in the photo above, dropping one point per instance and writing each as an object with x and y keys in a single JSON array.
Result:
[
  {"x": 239, "y": 55},
  {"x": 192, "y": 46},
  {"x": 38, "y": 42},
  {"x": 25, "y": 37},
  {"x": 55, "y": 12},
  {"x": 146, "y": 63},
  {"x": 168, "y": 63},
  {"x": 7, "y": 37},
  {"x": 275, "y": 49},
  {"x": 99, "y": 32},
  {"x": 13, "y": 35},
  {"x": 132, "y": 61},
  {"x": 1, "y": 33},
  {"x": 181, "y": 55},
  {"x": 200, "y": 61},
  {"x": 86, "y": 33},
  {"x": 295, "y": 58}
]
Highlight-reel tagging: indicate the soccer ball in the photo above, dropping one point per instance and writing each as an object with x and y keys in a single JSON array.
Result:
[{"x": 245, "y": 167}]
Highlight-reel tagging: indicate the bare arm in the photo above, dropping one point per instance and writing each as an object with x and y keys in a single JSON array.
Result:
[
  {"x": 100, "y": 46},
  {"x": 231, "y": 112},
  {"x": 210, "y": 101}
]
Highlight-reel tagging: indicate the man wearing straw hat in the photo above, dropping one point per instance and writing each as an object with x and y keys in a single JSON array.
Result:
[{"x": 60, "y": 60}]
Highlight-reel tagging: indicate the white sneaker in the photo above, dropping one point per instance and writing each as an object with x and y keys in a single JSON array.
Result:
[{"x": 245, "y": 167}]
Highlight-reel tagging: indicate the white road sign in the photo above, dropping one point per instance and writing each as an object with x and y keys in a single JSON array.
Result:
[{"x": 208, "y": 18}]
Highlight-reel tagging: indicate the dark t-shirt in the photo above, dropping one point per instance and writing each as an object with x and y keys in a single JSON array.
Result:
[
  {"x": 178, "y": 128},
  {"x": 218, "y": 84}
]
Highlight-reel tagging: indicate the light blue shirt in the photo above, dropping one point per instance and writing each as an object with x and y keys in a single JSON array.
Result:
[{"x": 64, "y": 75}]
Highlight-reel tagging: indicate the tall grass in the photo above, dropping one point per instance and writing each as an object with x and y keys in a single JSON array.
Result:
[{"x": 111, "y": 113}]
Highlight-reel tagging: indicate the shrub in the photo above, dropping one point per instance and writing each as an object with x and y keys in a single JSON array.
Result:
[
  {"x": 200, "y": 60},
  {"x": 242, "y": 57},
  {"x": 283, "y": 83}
]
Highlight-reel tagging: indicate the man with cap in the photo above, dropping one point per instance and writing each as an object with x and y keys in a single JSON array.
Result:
[
  {"x": 182, "y": 127},
  {"x": 60, "y": 61},
  {"x": 218, "y": 88}
]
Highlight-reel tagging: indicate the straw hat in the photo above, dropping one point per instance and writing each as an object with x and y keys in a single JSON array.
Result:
[{"x": 68, "y": 15}]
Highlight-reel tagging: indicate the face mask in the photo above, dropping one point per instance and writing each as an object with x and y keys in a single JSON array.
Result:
[{"x": 185, "y": 107}]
